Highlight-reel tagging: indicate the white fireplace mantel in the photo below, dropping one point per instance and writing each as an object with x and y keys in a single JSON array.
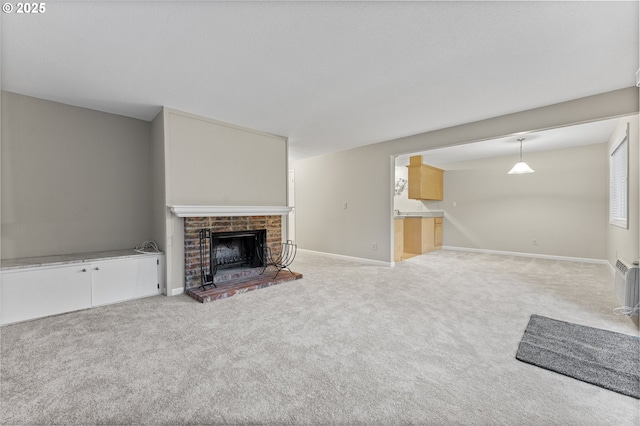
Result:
[{"x": 203, "y": 211}]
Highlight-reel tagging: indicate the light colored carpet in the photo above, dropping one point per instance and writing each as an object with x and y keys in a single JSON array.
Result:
[{"x": 430, "y": 341}]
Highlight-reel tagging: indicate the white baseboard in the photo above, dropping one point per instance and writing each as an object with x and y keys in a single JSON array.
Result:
[
  {"x": 612, "y": 268},
  {"x": 534, "y": 255},
  {"x": 351, "y": 258},
  {"x": 177, "y": 291}
]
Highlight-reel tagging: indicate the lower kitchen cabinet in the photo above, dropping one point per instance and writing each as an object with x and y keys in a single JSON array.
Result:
[
  {"x": 437, "y": 233},
  {"x": 422, "y": 235},
  {"x": 398, "y": 239},
  {"x": 31, "y": 290}
]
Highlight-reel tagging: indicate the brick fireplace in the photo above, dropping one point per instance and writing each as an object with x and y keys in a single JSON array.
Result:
[
  {"x": 224, "y": 225},
  {"x": 235, "y": 275}
]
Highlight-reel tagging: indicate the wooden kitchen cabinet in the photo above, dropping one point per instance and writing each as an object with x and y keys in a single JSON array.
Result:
[
  {"x": 398, "y": 239},
  {"x": 437, "y": 234},
  {"x": 422, "y": 235},
  {"x": 425, "y": 182}
]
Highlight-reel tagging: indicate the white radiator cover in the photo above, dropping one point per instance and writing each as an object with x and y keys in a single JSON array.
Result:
[{"x": 627, "y": 284}]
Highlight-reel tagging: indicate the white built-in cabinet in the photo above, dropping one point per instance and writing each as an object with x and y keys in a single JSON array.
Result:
[
  {"x": 29, "y": 292},
  {"x": 120, "y": 280},
  {"x": 35, "y": 293}
]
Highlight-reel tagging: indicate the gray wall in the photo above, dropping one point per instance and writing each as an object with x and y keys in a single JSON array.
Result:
[
  {"x": 563, "y": 205},
  {"x": 363, "y": 177},
  {"x": 73, "y": 179}
]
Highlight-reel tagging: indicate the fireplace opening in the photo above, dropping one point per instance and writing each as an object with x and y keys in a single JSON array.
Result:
[{"x": 224, "y": 250}]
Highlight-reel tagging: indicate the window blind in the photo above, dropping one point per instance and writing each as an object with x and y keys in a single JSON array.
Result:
[{"x": 618, "y": 181}]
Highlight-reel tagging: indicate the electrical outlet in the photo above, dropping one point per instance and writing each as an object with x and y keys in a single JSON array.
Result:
[
  {"x": 374, "y": 246},
  {"x": 419, "y": 206},
  {"x": 455, "y": 204}
]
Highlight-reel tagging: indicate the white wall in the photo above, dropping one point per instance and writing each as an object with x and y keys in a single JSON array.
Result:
[
  {"x": 364, "y": 176},
  {"x": 362, "y": 179},
  {"x": 563, "y": 205},
  {"x": 214, "y": 163},
  {"x": 73, "y": 179},
  {"x": 625, "y": 243}
]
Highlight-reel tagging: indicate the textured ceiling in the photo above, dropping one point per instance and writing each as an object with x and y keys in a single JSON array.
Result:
[{"x": 327, "y": 75}]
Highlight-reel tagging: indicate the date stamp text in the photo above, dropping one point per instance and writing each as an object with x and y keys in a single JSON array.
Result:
[{"x": 24, "y": 7}]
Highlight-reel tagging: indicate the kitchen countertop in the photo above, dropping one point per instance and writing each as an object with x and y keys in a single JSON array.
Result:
[
  {"x": 66, "y": 259},
  {"x": 432, "y": 213}
]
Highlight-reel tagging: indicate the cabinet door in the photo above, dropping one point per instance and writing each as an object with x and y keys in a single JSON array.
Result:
[
  {"x": 398, "y": 239},
  {"x": 425, "y": 181},
  {"x": 432, "y": 183},
  {"x": 36, "y": 293},
  {"x": 428, "y": 237},
  {"x": 438, "y": 232},
  {"x": 412, "y": 235},
  {"x": 120, "y": 280}
]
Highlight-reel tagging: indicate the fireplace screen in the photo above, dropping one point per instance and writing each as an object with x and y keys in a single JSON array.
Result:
[{"x": 220, "y": 250}]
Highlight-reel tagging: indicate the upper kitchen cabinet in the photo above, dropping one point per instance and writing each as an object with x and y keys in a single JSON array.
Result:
[{"x": 425, "y": 182}]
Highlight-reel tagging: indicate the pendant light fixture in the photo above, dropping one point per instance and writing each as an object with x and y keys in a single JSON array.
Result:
[{"x": 521, "y": 167}]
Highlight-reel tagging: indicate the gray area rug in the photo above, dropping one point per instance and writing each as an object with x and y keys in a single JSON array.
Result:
[{"x": 600, "y": 357}]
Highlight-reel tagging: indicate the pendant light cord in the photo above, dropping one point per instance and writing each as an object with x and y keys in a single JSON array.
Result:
[{"x": 520, "y": 149}]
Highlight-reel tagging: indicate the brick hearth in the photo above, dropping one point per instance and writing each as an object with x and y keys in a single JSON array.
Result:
[{"x": 230, "y": 288}]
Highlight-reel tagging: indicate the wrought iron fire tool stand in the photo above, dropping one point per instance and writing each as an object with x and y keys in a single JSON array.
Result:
[{"x": 206, "y": 250}]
